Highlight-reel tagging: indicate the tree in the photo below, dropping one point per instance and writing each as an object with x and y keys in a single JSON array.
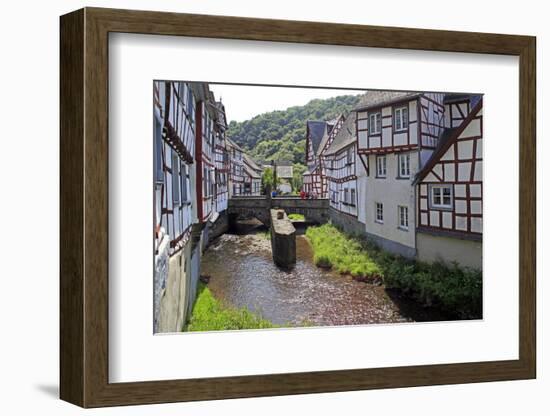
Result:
[
  {"x": 268, "y": 180},
  {"x": 280, "y": 135},
  {"x": 297, "y": 180}
]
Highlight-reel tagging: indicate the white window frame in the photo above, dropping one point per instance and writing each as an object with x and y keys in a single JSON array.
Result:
[
  {"x": 346, "y": 195},
  {"x": 379, "y": 209},
  {"x": 381, "y": 173},
  {"x": 353, "y": 197},
  {"x": 403, "y": 220},
  {"x": 404, "y": 173},
  {"x": 375, "y": 123},
  {"x": 399, "y": 119},
  {"x": 440, "y": 204}
]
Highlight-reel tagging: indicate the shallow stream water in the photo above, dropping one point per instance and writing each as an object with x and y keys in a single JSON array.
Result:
[{"x": 242, "y": 274}]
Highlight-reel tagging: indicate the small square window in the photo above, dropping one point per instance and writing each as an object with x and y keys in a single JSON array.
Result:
[{"x": 441, "y": 196}]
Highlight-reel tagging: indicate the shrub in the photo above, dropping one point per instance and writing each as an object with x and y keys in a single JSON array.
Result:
[{"x": 454, "y": 290}]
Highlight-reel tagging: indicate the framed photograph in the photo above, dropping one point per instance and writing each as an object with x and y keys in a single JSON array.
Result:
[{"x": 255, "y": 207}]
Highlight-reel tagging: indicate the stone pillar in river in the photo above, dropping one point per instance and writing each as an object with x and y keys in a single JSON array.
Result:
[{"x": 283, "y": 239}]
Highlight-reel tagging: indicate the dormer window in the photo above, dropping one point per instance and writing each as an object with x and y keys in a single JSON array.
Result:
[
  {"x": 375, "y": 123},
  {"x": 401, "y": 118}
]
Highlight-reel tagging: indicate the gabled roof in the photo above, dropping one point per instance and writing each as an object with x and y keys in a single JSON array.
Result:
[
  {"x": 345, "y": 136},
  {"x": 446, "y": 139},
  {"x": 330, "y": 126},
  {"x": 251, "y": 172},
  {"x": 231, "y": 143},
  {"x": 250, "y": 162},
  {"x": 315, "y": 132},
  {"x": 374, "y": 99}
]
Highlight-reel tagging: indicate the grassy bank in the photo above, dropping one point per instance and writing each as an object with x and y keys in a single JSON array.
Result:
[
  {"x": 456, "y": 291},
  {"x": 210, "y": 315},
  {"x": 334, "y": 249},
  {"x": 296, "y": 217}
]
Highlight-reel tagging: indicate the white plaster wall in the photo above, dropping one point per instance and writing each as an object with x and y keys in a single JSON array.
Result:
[
  {"x": 466, "y": 253},
  {"x": 392, "y": 193}
]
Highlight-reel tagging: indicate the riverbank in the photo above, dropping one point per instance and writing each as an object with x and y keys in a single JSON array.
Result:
[
  {"x": 242, "y": 275},
  {"x": 209, "y": 314},
  {"x": 453, "y": 290}
]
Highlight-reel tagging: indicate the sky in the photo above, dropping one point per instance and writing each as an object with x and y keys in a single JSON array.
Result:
[{"x": 243, "y": 102}]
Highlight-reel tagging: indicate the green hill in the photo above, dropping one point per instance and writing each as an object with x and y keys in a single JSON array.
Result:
[{"x": 280, "y": 135}]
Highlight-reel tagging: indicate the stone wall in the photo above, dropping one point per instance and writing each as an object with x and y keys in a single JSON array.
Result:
[
  {"x": 160, "y": 279},
  {"x": 283, "y": 239},
  {"x": 466, "y": 253}
]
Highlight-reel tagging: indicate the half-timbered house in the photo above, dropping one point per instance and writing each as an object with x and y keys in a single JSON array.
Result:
[
  {"x": 319, "y": 136},
  {"x": 206, "y": 114},
  {"x": 397, "y": 133},
  {"x": 449, "y": 189},
  {"x": 236, "y": 168},
  {"x": 343, "y": 168},
  {"x": 252, "y": 176},
  {"x": 221, "y": 160},
  {"x": 174, "y": 132}
]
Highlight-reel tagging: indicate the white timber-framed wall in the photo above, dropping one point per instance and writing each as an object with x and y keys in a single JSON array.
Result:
[
  {"x": 236, "y": 168},
  {"x": 340, "y": 160},
  {"x": 221, "y": 161},
  {"x": 205, "y": 166},
  {"x": 174, "y": 192},
  {"x": 252, "y": 177},
  {"x": 450, "y": 194}
]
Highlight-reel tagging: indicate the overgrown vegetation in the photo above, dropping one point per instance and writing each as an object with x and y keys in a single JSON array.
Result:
[
  {"x": 296, "y": 217},
  {"x": 209, "y": 314},
  {"x": 454, "y": 290},
  {"x": 333, "y": 249},
  {"x": 280, "y": 135}
]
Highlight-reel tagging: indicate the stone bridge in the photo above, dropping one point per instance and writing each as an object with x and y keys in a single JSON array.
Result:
[{"x": 314, "y": 210}]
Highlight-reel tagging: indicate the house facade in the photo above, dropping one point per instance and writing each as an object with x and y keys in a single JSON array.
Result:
[
  {"x": 252, "y": 177},
  {"x": 221, "y": 160},
  {"x": 236, "y": 168},
  {"x": 450, "y": 190},
  {"x": 396, "y": 135},
  {"x": 343, "y": 167},
  {"x": 319, "y": 137},
  {"x": 191, "y": 190},
  {"x": 175, "y": 214}
]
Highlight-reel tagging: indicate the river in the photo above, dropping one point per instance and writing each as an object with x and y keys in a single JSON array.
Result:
[{"x": 242, "y": 274}]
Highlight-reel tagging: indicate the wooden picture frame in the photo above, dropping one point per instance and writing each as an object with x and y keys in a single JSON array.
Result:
[{"x": 84, "y": 207}]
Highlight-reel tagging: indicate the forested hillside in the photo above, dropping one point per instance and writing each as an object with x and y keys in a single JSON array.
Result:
[{"x": 280, "y": 135}]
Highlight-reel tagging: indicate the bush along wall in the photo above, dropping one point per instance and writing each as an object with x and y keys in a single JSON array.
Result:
[{"x": 454, "y": 290}]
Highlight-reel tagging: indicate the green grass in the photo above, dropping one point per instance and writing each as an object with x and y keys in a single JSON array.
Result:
[
  {"x": 333, "y": 249},
  {"x": 296, "y": 217},
  {"x": 452, "y": 289},
  {"x": 209, "y": 314}
]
